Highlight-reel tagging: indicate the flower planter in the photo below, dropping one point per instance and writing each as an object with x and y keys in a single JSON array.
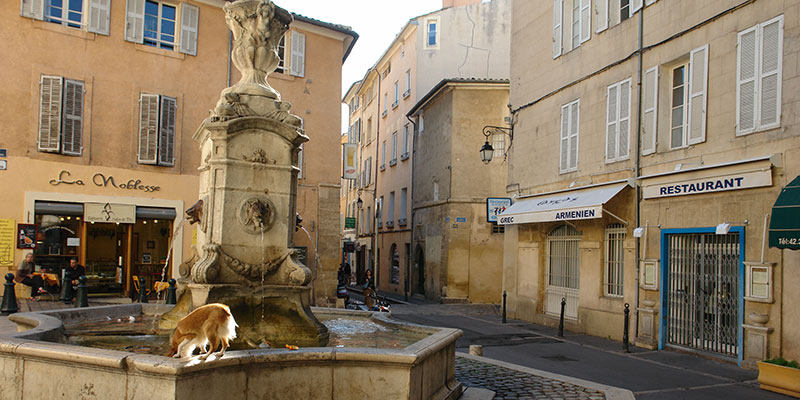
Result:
[{"x": 780, "y": 379}]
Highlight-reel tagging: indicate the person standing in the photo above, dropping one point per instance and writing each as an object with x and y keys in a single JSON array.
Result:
[
  {"x": 25, "y": 276},
  {"x": 72, "y": 273}
]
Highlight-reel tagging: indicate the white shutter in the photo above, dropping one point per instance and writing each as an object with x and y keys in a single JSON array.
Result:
[
  {"x": 769, "y": 93},
  {"x": 32, "y": 9},
  {"x": 72, "y": 125},
  {"x": 50, "y": 113},
  {"x": 601, "y": 11},
  {"x": 612, "y": 120},
  {"x": 189, "y": 22},
  {"x": 134, "y": 21},
  {"x": 746, "y": 81},
  {"x": 698, "y": 87},
  {"x": 300, "y": 163},
  {"x": 636, "y": 5},
  {"x": 298, "y": 67},
  {"x": 557, "y": 27},
  {"x": 564, "y": 162},
  {"x": 624, "y": 126},
  {"x": 650, "y": 111},
  {"x": 574, "y": 125},
  {"x": 148, "y": 128},
  {"x": 166, "y": 131},
  {"x": 99, "y": 12},
  {"x": 586, "y": 20}
]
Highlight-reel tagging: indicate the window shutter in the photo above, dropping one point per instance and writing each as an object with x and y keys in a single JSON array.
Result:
[
  {"x": 564, "y": 162},
  {"x": 189, "y": 21},
  {"x": 72, "y": 126},
  {"x": 134, "y": 21},
  {"x": 557, "y": 24},
  {"x": 586, "y": 20},
  {"x": 298, "y": 54},
  {"x": 698, "y": 87},
  {"x": 601, "y": 9},
  {"x": 771, "y": 35},
  {"x": 32, "y": 9},
  {"x": 99, "y": 11},
  {"x": 636, "y": 5},
  {"x": 624, "y": 126},
  {"x": 573, "y": 137},
  {"x": 50, "y": 113},
  {"x": 166, "y": 131},
  {"x": 612, "y": 122},
  {"x": 650, "y": 105},
  {"x": 746, "y": 82},
  {"x": 148, "y": 128},
  {"x": 300, "y": 163}
]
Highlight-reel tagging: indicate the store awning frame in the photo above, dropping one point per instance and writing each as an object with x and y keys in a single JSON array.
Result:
[
  {"x": 784, "y": 225},
  {"x": 577, "y": 204}
]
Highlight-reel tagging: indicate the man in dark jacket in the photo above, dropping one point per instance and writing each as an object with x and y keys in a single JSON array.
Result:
[{"x": 72, "y": 274}]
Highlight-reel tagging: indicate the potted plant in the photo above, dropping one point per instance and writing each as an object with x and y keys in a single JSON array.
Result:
[{"x": 779, "y": 375}]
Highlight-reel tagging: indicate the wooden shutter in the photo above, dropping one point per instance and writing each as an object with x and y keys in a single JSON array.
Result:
[
  {"x": 601, "y": 10},
  {"x": 612, "y": 122},
  {"x": 298, "y": 67},
  {"x": 134, "y": 21},
  {"x": 72, "y": 125},
  {"x": 148, "y": 128},
  {"x": 769, "y": 83},
  {"x": 557, "y": 27},
  {"x": 574, "y": 124},
  {"x": 563, "y": 160},
  {"x": 32, "y": 9},
  {"x": 636, "y": 5},
  {"x": 586, "y": 20},
  {"x": 99, "y": 11},
  {"x": 166, "y": 131},
  {"x": 50, "y": 113},
  {"x": 650, "y": 111},
  {"x": 624, "y": 121},
  {"x": 746, "y": 81},
  {"x": 189, "y": 22},
  {"x": 698, "y": 87}
]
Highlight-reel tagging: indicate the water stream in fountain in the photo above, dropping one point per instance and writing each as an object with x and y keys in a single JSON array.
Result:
[
  {"x": 263, "y": 267},
  {"x": 169, "y": 254},
  {"x": 316, "y": 262}
]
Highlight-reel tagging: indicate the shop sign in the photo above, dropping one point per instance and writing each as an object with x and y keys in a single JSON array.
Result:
[
  {"x": 109, "y": 212},
  {"x": 102, "y": 180},
  {"x": 349, "y": 222},
  {"x": 27, "y": 236},
  {"x": 6, "y": 242},
  {"x": 3, "y": 165},
  {"x": 495, "y": 206},
  {"x": 553, "y": 215},
  {"x": 724, "y": 183},
  {"x": 349, "y": 161}
]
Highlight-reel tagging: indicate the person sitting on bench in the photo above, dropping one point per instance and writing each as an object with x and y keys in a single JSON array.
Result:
[
  {"x": 25, "y": 276},
  {"x": 72, "y": 273}
]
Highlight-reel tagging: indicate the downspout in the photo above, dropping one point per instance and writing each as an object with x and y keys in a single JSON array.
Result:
[
  {"x": 411, "y": 206},
  {"x": 636, "y": 171},
  {"x": 375, "y": 194}
]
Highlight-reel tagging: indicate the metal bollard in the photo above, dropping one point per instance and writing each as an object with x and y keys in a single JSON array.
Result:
[
  {"x": 476, "y": 349},
  {"x": 82, "y": 296},
  {"x": 172, "y": 297},
  {"x": 625, "y": 345},
  {"x": 504, "y": 306},
  {"x": 142, "y": 291},
  {"x": 561, "y": 321},
  {"x": 66, "y": 290},
  {"x": 9, "y": 305}
]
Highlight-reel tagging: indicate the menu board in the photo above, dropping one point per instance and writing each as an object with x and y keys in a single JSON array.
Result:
[
  {"x": 27, "y": 236},
  {"x": 7, "y": 242}
]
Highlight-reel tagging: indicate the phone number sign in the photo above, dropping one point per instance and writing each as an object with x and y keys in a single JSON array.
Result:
[{"x": 495, "y": 206}]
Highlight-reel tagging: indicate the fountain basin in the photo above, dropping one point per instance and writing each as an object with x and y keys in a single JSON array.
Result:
[{"x": 37, "y": 364}]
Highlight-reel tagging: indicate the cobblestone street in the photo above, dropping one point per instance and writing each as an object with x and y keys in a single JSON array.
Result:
[{"x": 510, "y": 384}]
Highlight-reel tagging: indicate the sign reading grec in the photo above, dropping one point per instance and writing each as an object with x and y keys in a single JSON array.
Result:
[
  {"x": 709, "y": 185},
  {"x": 554, "y": 215}
]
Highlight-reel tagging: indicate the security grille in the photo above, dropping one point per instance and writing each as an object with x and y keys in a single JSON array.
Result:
[
  {"x": 702, "y": 296},
  {"x": 563, "y": 273},
  {"x": 614, "y": 265}
]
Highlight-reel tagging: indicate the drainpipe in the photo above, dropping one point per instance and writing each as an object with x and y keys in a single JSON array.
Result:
[
  {"x": 375, "y": 194},
  {"x": 636, "y": 170},
  {"x": 411, "y": 199}
]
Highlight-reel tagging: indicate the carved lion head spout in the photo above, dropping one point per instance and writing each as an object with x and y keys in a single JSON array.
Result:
[
  {"x": 195, "y": 213},
  {"x": 256, "y": 213}
]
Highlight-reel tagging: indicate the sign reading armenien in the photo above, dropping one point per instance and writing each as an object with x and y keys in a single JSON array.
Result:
[
  {"x": 743, "y": 180},
  {"x": 109, "y": 212}
]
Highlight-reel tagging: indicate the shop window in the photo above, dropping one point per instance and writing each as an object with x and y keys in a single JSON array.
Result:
[
  {"x": 150, "y": 251},
  {"x": 615, "y": 260},
  {"x": 61, "y": 113},
  {"x": 58, "y": 240},
  {"x": 157, "y": 116}
]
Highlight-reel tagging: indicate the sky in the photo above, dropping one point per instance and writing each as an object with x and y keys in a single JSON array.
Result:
[{"x": 376, "y": 22}]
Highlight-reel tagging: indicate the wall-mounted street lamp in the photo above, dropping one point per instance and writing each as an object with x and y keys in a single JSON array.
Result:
[{"x": 487, "y": 151}]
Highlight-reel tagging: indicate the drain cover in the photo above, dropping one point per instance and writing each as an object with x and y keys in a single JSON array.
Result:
[{"x": 559, "y": 358}]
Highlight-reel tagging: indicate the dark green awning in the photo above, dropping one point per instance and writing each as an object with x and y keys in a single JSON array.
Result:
[{"x": 784, "y": 226}]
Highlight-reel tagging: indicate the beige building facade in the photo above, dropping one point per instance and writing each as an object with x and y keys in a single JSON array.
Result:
[
  {"x": 104, "y": 113},
  {"x": 657, "y": 166}
]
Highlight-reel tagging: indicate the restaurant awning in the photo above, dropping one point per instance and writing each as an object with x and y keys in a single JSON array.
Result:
[
  {"x": 784, "y": 226},
  {"x": 562, "y": 206}
]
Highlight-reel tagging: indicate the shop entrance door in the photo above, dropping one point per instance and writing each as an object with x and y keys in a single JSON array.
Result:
[
  {"x": 702, "y": 293},
  {"x": 563, "y": 272},
  {"x": 106, "y": 256}
]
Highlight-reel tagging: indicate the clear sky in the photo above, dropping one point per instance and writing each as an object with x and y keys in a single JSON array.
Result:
[{"x": 376, "y": 22}]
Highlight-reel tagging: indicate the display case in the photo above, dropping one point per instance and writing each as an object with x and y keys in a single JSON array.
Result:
[{"x": 103, "y": 276}]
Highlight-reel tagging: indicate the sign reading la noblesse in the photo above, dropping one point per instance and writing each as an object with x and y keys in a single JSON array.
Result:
[{"x": 743, "y": 180}]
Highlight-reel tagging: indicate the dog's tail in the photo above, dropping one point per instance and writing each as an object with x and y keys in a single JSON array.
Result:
[{"x": 229, "y": 328}]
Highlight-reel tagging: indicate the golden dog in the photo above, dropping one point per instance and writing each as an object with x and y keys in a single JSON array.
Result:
[{"x": 210, "y": 325}]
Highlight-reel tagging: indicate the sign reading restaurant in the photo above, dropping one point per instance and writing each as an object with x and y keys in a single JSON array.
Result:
[{"x": 709, "y": 185}]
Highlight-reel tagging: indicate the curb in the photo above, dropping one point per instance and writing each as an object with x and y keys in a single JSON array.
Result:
[{"x": 611, "y": 392}]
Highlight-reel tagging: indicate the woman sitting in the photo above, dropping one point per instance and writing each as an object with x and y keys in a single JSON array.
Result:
[{"x": 25, "y": 276}]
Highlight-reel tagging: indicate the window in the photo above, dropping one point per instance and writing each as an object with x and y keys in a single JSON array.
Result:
[
  {"x": 406, "y": 137},
  {"x": 678, "y": 107},
  {"x": 367, "y": 172},
  {"x": 380, "y": 213},
  {"x": 615, "y": 260},
  {"x": 688, "y": 107},
  {"x": 618, "y": 121},
  {"x": 157, "y": 129},
  {"x": 498, "y": 228},
  {"x": 396, "y": 94},
  {"x": 435, "y": 191},
  {"x": 432, "y": 33},
  {"x": 61, "y": 115},
  {"x": 395, "y": 272},
  {"x": 624, "y": 10},
  {"x": 403, "y": 206},
  {"x": 390, "y": 220},
  {"x": 499, "y": 144},
  {"x": 569, "y": 136},
  {"x": 650, "y": 106},
  {"x": 281, "y": 68},
  {"x": 368, "y": 220},
  {"x": 298, "y": 67},
  {"x": 70, "y": 13},
  {"x": 154, "y": 24},
  {"x": 369, "y": 129},
  {"x": 759, "y": 74},
  {"x": 385, "y": 104},
  {"x": 383, "y": 155},
  {"x": 580, "y": 22},
  {"x": 394, "y": 149},
  {"x": 407, "y": 92},
  {"x": 558, "y": 31}
]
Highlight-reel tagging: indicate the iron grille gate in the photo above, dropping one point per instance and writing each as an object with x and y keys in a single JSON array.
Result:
[{"x": 702, "y": 295}]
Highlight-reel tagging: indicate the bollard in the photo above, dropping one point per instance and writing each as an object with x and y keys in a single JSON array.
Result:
[
  {"x": 625, "y": 333},
  {"x": 66, "y": 290},
  {"x": 476, "y": 350},
  {"x": 172, "y": 298},
  {"x": 82, "y": 296},
  {"x": 504, "y": 306},
  {"x": 142, "y": 291},
  {"x": 561, "y": 321},
  {"x": 9, "y": 305}
]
